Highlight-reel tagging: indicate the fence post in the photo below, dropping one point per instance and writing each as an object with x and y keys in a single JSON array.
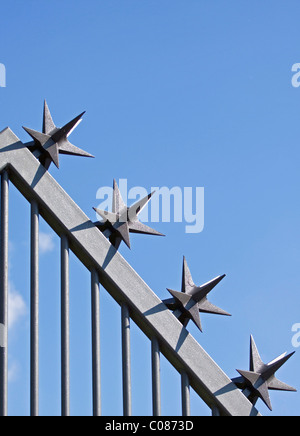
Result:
[
  {"x": 96, "y": 344},
  {"x": 4, "y": 294},
  {"x": 34, "y": 311}
]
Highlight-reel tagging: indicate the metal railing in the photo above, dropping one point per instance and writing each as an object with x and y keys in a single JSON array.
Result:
[{"x": 108, "y": 268}]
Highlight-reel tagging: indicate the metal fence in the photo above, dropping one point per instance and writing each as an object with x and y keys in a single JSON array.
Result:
[{"x": 108, "y": 268}]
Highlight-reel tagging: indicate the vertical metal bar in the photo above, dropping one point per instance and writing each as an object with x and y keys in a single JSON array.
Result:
[
  {"x": 156, "y": 386},
  {"x": 65, "y": 327},
  {"x": 185, "y": 390},
  {"x": 34, "y": 311},
  {"x": 4, "y": 295},
  {"x": 96, "y": 344},
  {"x": 126, "y": 361},
  {"x": 215, "y": 411}
]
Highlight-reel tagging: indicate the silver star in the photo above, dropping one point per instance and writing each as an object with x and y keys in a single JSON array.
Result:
[
  {"x": 257, "y": 382},
  {"x": 123, "y": 220},
  {"x": 53, "y": 140},
  {"x": 193, "y": 299}
]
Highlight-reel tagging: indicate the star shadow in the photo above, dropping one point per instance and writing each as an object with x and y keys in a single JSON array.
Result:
[
  {"x": 90, "y": 225},
  {"x": 38, "y": 176},
  {"x": 110, "y": 255},
  {"x": 84, "y": 226},
  {"x": 229, "y": 388},
  {"x": 18, "y": 146},
  {"x": 162, "y": 308},
  {"x": 12, "y": 147}
]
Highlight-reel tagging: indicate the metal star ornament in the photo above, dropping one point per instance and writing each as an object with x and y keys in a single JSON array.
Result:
[
  {"x": 118, "y": 224},
  {"x": 257, "y": 382},
  {"x": 192, "y": 300},
  {"x": 53, "y": 141}
]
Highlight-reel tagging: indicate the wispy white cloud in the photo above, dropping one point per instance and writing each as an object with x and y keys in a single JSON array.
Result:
[
  {"x": 17, "y": 309},
  {"x": 46, "y": 243},
  {"x": 16, "y": 306},
  {"x": 13, "y": 371}
]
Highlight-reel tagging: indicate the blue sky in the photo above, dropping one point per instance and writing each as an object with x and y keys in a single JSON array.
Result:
[{"x": 177, "y": 93}]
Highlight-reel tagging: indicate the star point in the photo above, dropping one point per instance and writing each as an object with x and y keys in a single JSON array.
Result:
[
  {"x": 118, "y": 224},
  {"x": 192, "y": 300},
  {"x": 261, "y": 378},
  {"x": 53, "y": 141}
]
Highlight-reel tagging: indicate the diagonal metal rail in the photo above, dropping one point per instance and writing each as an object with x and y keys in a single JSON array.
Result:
[{"x": 167, "y": 334}]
